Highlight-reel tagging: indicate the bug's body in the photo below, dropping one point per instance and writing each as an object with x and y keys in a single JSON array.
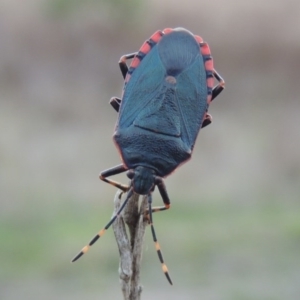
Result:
[
  {"x": 167, "y": 90},
  {"x": 163, "y": 105}
]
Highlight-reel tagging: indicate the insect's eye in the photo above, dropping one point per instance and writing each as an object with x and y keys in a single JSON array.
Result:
[{"x": 130, "y": 174}]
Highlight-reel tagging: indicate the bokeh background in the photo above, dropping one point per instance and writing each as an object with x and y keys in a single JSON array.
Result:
[{"x": 233, "y": 232}]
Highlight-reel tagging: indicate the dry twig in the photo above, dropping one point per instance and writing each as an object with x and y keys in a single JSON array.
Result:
[{"x": 130, "y": 249}]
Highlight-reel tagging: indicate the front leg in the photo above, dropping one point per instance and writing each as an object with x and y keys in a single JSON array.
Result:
[
  {"x": 164, "y": 195},
  {"x": 114, "y": 171}
]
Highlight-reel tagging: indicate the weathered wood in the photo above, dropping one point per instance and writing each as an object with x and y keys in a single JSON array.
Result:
[{"x": 130, "y": 248}]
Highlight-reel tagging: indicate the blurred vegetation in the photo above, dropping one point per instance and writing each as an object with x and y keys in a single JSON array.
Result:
[
  {"x": 115, "y": 9},
  {"x": 234, "y": 228}
]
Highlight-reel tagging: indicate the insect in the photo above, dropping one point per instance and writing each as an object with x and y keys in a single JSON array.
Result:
[{"x": 167, "y": 91}]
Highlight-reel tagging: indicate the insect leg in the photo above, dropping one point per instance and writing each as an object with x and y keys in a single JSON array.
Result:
[
  {"x": 163, "y": 192},
  {"x": 86, "y": 248},
  {"x": 113, "y": 171},
  {"x": 157, "y": 247},
  {"x": 205, "y": 51},
  {"x": 218, "y": 88},
  {"x": 207, "y": 120},
  {"x": 122, "y": 63},
  {"x": 115, "y": 103}
]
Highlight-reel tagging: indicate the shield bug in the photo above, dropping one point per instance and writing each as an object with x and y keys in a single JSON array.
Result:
[{"x": 167, "y": 91}]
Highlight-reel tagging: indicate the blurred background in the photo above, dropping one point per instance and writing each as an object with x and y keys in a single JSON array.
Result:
[{"x": 233, "y": 232}]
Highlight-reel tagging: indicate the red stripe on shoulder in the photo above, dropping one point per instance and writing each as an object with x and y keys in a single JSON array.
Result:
[
  {"x": 210, "y": 82},
  {"x": 156, "y": 36},
  {"x": 145, "y": 48},
  {"x": 127, "y": 78},
  {"x": 204, "y": 49},
  {"x": 209, "y": 65},
  {"x": 135, "y": 62},
  {"x": 167, "y": 30},
  {"x": 208, "y": 100},
  {"x": 198, "y": 38}
]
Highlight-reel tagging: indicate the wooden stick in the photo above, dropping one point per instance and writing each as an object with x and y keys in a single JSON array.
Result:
[{"x": 131, "y": 248}]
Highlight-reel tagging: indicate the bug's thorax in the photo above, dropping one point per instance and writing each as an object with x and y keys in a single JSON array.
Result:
[
  {"x": 143, "y": 180},
  {"x": 161, "y": 115}
]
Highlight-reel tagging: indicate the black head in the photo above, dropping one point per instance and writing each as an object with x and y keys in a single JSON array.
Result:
[{"x": 143, "y": 180}]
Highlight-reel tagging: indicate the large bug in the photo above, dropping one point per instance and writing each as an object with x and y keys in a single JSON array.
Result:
[{"x": 167, "y": 90}]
